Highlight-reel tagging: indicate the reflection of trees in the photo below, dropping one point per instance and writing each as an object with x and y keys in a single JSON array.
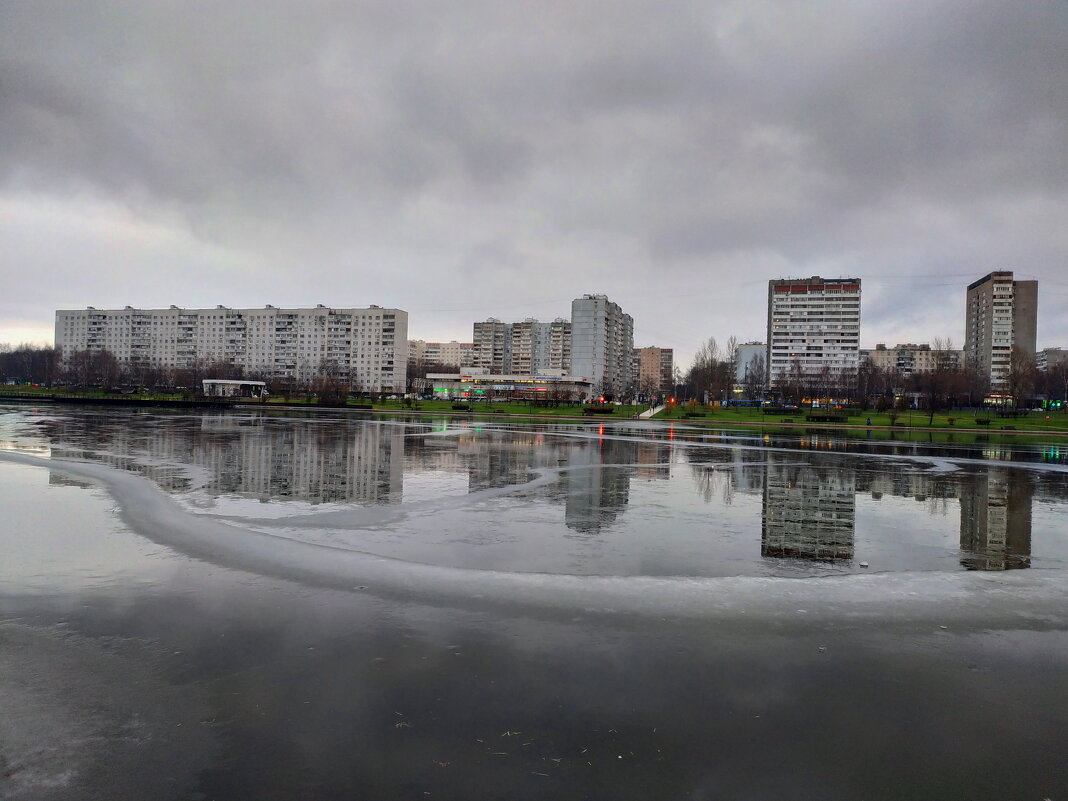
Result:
[
  {"x": 718, "y": 473},
  {"x": 501, "y": 458},
  {"x": 995, "y": 520},
  {"x": 809, "y": 512},
  {"x": 905, "y": 480},
  {"x": 711, "y": 482}
]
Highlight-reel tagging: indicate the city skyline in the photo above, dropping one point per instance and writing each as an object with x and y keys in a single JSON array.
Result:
[
  {"x": 674, "y": 160},
  {"x": 801, "y": 314}
]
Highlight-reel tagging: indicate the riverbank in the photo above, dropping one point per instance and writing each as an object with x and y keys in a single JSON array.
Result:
[{"x": 944, "y": 424}]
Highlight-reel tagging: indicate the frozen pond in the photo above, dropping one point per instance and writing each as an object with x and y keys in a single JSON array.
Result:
[{"x": 233, "y": 605}]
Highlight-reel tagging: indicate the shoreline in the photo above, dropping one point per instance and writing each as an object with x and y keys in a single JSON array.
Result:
[{"x": 701, "y": 422}]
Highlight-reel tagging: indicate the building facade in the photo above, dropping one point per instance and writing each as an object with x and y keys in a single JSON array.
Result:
[
  {"x": 602, "y": 345},
  {"x": 478, "y": 385},
  {"x": 455, "y": 353},
  {"x": 362, "y": 348},
  {"x": 908, "y": 359},
  {"x": 748, "y": 357},
  {"x": 523, "y": 348},
  {"x": 1000, "y": 314},
  {"x": 1050, "y": 357},
  {"x": 813, "y": 324},
  {"x": 537, "y": 347},
  {"x": 654, "y": 370},
  {"x": 491, "y": 346}
]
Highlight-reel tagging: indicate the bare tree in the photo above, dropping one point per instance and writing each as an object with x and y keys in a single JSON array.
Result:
[
  {"x": 87, "y": 368},
  {"x": 649, "y": 387},
  {"x": 710, "y": 375},
  {"x": 37, "y": 364},
  {"x": 795, "y": 382},
  {"x": 1056, "y": 376},
  {"x": 731, "y": 361},
  {"x": 1020, "y": 380},
  {"x": 755, "y": 374}
]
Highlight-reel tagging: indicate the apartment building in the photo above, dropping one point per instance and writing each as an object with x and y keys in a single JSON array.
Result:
[
  {"x": 654, "y": 369},
  {"x": 602, "y": 344},
  {"x": 813, "y": 323},
  {"x": 455, "y": 353},
  {"x": 557, "y": 354},
  {"x": 364, "y": 348},
  {"x": 909, "y": 358},
  {"x": 491, "y": 346},
  {"x": 1050, "y": 357},
  {"x": 1000, "y": 314},
  {"x": 528, "y": 347}
]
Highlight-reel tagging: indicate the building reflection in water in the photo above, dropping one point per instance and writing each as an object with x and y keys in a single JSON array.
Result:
[
  {"x": 995, "y": 520},
  {"x": 596, "y": 491},
  {"x": 809, "y": 512},
  {"x": 595, "y": 473},
  {"x": 257, "y": 457}
]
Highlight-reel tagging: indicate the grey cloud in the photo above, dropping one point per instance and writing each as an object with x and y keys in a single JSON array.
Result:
[{"x": 467, "y": 146}]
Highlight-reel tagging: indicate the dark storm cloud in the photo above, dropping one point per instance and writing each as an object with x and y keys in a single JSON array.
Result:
[{"x": 484, "y": 152}]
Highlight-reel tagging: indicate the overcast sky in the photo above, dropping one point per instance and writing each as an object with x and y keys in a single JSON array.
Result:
[{"x": 470, "y": 159}]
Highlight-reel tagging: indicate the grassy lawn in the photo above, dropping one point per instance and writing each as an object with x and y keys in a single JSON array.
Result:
[{"x": 1033, "y": 421}]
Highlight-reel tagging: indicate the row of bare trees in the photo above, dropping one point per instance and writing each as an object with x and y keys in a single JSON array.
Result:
[
  {"x": 713, "y": 375},
  {"x": 37, "y": 364},
  {"x": 44, "y": 365}
]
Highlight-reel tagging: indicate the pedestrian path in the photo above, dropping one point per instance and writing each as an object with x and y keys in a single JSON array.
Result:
[{"x": 649, "y": 412}]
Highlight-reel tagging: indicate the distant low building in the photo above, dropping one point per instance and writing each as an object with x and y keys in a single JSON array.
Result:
[
  {"x": 654, "y": 369},
  {"x": 477, "y": 384},
  {"x": 233, "y": 388},
  {"x": 1050, "y": 357},
  {"x": 453, "y": 352},
  {"x": 747, "y": 355},
  {"x": 909, "y": 358}
]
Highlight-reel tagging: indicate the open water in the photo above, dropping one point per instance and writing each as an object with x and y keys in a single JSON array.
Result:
[{"x": 237, "y": 606}]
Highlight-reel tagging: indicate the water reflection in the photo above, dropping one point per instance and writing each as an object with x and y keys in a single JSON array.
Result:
[
  {"x": 596, "y": 486},
  {"x": 255, "y": 457},
  {"x": 611, "y": 482},
  {"x": 809, "y": 512},
  {"x": 358, "y": 461},
  {"x": 995, "y": 520},
  {"x": 595, "y": 472}
]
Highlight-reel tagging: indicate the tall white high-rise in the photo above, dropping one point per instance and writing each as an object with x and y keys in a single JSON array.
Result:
[
  {"x": 813, "y": 328},
  {"x": 602, "y": 345}
]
